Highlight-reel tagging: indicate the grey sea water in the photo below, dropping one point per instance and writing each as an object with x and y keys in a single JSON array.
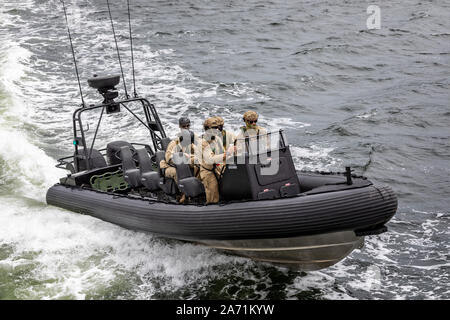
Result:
[{"x": 378, "y": 100}]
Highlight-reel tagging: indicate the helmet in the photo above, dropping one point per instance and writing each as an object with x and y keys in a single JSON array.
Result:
[
  {"x": 184, "y": 121},
  {"x": 210, "y": 133},
  {"x": 220, "y": 121},
  {"x": 250, "y": 116},
  {"x": 210, "y": 122}
]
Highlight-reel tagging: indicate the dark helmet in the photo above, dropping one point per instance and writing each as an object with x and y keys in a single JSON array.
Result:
[{"x": 183, "y": 121}]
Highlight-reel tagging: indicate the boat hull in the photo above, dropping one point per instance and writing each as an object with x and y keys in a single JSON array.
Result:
[
  {"x": 306, "y": 253},
  {"x": 308, "y": 232}
]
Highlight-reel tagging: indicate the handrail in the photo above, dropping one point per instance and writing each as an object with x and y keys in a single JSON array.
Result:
[
  {"x": 151, "y": 117},
  {"x": 246, "y": 139}
]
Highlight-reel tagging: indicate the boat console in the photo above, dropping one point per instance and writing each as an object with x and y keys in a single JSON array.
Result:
[{"x": 245, "y": 179}]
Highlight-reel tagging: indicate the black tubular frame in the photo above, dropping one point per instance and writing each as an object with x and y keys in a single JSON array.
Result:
[{"x": 152, "y": 122}]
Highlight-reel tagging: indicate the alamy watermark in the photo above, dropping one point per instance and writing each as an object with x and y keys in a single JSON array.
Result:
[
  {"x": 254, "y": 147},
  {"x": 374, "y": 19}
]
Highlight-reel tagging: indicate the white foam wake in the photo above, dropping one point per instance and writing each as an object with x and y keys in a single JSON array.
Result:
[
  {"x": 24, "y": 168},
  {"x": 76, "y": 255}
]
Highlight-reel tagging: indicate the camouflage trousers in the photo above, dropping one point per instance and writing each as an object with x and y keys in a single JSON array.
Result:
[
  {"x": 211, "y": 185},
  {"x": 171, "y": 172}
]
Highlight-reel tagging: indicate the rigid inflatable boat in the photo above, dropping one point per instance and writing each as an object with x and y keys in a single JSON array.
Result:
[{"x": 303, "y": 220}]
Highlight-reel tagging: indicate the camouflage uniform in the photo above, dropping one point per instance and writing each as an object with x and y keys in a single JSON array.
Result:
[
  {"x": 212, "y": 160},
  {"x": 174, "y": 147},
  {"x": 251, "y": 132},
  {"x": 228, "y": 137}
]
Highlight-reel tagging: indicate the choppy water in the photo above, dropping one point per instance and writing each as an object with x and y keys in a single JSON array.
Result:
[{"x": 376, "y": 100}]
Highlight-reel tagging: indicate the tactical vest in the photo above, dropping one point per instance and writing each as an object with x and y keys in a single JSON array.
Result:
[
  {"x": 184, "y": 149},
  {"x": 224, "y": 142},
  {"x": 244, "y": 130}
]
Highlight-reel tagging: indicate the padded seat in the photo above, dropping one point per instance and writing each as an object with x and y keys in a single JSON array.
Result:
[
  {"x": 187, "y": 183},
  {"x": 95, "y": 161},
  {"x": 131, "y": 173},
  {"x": 149, "y": 177},
  {"x": 165, "y": 143},
  {"x": 168, "y": 185},
  {"x": 113, "y": 148}
]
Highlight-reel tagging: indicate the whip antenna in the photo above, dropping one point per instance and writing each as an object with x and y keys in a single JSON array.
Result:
[
  {"x": 131, "y": 45},
  {"x": 117, "y": 48},
  {"x": 73, "y": 53}
]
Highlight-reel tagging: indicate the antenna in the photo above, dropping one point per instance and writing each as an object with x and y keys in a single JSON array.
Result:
[
  {"x": 73, "y": 53},
  {"x": 117, "y": 48},
  {"x": 131, "y": 45}
]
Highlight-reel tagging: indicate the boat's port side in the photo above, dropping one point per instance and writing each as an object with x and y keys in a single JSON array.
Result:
[
  {"x": 354, "y": 209},
  {"x": 306, "y": 253}
]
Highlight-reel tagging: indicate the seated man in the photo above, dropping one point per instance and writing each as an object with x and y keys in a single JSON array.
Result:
[
  {"x": 183, "y": 143},
  {"x": 212, "y": 159},
  {"x": 227, "y": 136}
]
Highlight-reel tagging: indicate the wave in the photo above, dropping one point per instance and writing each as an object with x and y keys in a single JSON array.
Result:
[
  {"x": 66, "y": 255},
  {"x": 24, "y": 168}
]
